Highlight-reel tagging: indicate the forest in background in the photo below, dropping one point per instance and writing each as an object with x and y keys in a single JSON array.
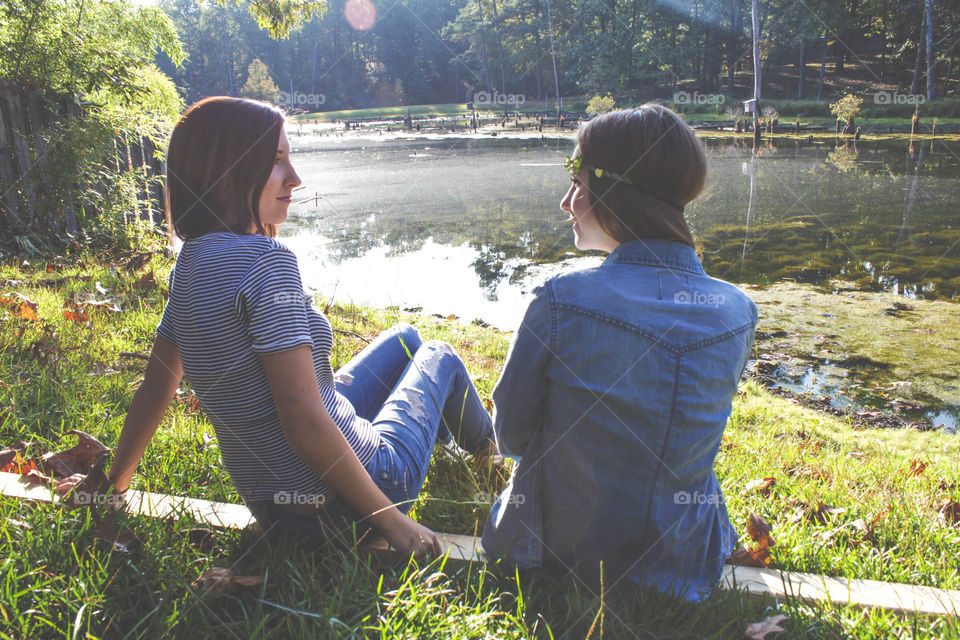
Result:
[
  {"x": 442, "y": 51},
  {"x": 89, "y": 89}
]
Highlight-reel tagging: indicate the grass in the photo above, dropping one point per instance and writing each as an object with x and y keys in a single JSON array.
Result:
[{"x": 59, "y": 580}]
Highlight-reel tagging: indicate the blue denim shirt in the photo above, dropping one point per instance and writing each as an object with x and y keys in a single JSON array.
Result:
[{"x": 614, "y": 397}]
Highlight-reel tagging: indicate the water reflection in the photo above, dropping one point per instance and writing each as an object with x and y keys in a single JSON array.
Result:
[
  {"x": 470, "y": 226},
  {"x": 868, "y": 213}
]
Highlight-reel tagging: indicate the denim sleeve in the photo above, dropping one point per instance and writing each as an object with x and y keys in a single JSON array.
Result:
[{"x": 521, "y": 390}]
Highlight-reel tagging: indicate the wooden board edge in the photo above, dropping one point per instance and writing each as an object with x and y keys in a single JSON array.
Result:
[{"x": 755, "y": 583}]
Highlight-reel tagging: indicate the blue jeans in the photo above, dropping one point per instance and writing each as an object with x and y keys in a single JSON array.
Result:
[{"x": 413, "y": 393}]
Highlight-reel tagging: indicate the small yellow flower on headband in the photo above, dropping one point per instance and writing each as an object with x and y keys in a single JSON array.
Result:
[{"x": 574, "y": 165}]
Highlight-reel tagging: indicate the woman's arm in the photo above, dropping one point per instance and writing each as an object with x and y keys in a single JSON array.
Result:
[
  {"x": 317, "y": 440},
  {"x": 146, "y": 411},
  {"x": 522, "y": 388}
]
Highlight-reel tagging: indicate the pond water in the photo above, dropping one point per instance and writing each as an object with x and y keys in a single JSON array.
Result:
[{"x": 469, "y": 225}]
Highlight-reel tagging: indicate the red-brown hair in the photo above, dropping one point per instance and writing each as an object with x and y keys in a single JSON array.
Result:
[
  {"x": 220, "y": 156},
  {"x": 660, "y": 156}
]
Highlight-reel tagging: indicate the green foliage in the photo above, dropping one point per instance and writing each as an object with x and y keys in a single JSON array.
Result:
[
  {"x": 100, "y": 56},
  {"x": 280, "y": 17},
  {"x": 600, "y": 104},
  {"x": 259, "y": 85},
  {"x": 846, "y": 107},
  {"x": 60, "y": 580}
]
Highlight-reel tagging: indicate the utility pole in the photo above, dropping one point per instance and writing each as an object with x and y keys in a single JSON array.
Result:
[
  {"x": 756, "y": 72},
  {"x": 553, "y": 54}
]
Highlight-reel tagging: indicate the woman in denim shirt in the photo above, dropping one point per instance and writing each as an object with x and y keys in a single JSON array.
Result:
[{"x": 620, "y": 379}]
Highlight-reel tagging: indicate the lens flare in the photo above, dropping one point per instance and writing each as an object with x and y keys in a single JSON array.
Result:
[{"x": 361, "y": 14}]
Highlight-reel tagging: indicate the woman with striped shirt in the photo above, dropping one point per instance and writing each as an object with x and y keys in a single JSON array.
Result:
[{"x": 308, "y": 450}]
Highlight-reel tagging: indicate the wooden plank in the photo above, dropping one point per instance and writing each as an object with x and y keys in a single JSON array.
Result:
[
  {"x": 756, "y": 584},
  {"x": 153, "y": 505},
  {"x": 868, "y": 594}
]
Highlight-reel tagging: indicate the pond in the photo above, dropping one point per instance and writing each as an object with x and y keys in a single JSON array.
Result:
[{"x": 469, "y": 225}]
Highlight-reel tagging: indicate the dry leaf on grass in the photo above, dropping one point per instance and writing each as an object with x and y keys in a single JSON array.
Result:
[
  {"x": 223, "y": 579},
  {"x": 949, "y": 512},
  {"x": 759, "y": 531},
  {"x": 106, "y": 529},
  {"x": 916, "y": 468},
  {"x": 760, "y": 485},
  {"x": 759, "y": 630},
  {"x": 77, "y": 459}
]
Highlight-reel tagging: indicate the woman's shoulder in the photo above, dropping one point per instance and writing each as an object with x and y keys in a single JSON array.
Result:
[{"x": 236, "y": 246}]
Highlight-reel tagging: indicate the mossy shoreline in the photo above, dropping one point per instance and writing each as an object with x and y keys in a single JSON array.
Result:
[{"x": 862, "y": 503}]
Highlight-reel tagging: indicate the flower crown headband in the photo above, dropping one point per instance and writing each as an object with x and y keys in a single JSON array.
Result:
[{"x": 576, "y": 164}]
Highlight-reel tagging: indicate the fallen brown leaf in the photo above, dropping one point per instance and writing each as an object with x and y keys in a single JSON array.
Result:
[
  {"x": 744, "y": 557},
  {"x": 916, "y": 468},
  {"x": 79, "y": 458},
  {"x": 76, "y": 314},
  {"x": 949, "y": 512},
  {"x": 759, "y": 531},
  {"x": 760, "y": 485},
  {"x": 759, "y": 630}
]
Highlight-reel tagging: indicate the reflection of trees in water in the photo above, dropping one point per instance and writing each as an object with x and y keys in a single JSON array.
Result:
[
  {"x": 838, "y": 223},
  {"x": 881, "y": 221},
  {"x": 508, "y": 234}
]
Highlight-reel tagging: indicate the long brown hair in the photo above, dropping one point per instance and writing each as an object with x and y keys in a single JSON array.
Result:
[
  {"x": 660, "y": 167},
  {"x": 220, "y": 156}
]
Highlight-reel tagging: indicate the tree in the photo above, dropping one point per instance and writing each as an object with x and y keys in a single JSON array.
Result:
[
  {"x": 259, "y": 85},
  {"x": 846, "y": 109},
  {"x": 600, "y": 104}
]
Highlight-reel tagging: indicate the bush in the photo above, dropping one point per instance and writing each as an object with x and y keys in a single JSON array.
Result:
[
  {"x": 847, "y": 107},
  {"x": 600, "y": 104}
]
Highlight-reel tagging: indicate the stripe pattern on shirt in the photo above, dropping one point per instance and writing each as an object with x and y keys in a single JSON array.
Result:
[{"x": 231, "y": 298}]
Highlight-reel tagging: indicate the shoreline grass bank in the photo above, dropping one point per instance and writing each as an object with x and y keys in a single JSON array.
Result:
[{"x": 843, "y": 502}]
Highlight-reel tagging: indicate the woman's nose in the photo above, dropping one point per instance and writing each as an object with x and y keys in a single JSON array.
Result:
[
  {"x": 565, "y": 203},
  {"x": 293, "y": 179}
]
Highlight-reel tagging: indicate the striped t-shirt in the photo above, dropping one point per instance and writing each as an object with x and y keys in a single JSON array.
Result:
[{"x": 231, "y": 298}]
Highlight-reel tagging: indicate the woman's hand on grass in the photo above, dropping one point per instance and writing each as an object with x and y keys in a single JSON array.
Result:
[{"x": 408, "y": 536}]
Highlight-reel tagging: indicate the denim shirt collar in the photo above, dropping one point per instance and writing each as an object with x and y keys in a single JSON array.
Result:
[{"x": 656, "y": 253}]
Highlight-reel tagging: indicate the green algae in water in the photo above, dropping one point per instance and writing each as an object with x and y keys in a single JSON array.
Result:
[{"x": 861, "y": 348}]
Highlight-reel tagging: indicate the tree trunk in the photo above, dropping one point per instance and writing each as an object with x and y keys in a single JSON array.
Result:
[
  {"x": 553, "y": 54},
  {"x": 483, "y": 51},
  {"x": 823, "y": 71},
  {"x": 931, "y": 60},
  {"x": 496, "y": 30},
  {"x": 803, "y": 68},
  {"x": 736, "y": 24},
  {"x": 757, "y": 65},
  {"x": 918, "y": 67},
  {"x": 883, "y": 40},
  {"x": 313, "y": 74}
]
